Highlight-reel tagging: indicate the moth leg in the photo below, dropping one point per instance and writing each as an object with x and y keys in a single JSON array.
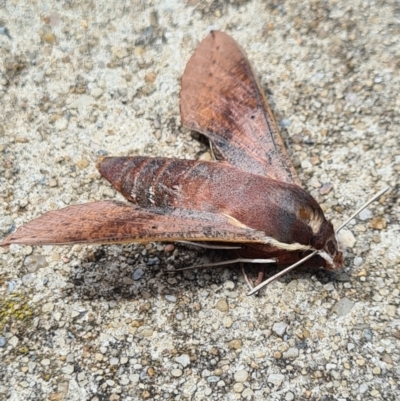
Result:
[
  {"x": 246, "y": 278},
  {"x": 260, "y": 277},
  {"x": 223, "y": 263},
  {"x": 208, "y": 246}
]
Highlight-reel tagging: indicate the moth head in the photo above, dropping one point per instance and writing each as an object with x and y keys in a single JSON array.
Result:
[
  {"x": 326, "y": 243},
  {"x": 332, "y": 254}
]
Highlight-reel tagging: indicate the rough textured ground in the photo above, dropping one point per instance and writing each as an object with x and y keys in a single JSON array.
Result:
[{"x": 83, "y": 79}]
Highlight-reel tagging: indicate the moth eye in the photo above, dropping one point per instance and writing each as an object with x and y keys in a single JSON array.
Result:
[
  {"x": 304, "y": 213},
  {"x": 331, "y": 247}
]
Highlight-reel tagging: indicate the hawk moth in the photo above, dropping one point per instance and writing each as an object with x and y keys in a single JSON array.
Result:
[{"x": 250, "y": 196}]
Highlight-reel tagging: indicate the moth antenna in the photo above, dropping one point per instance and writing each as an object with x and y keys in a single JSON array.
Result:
[
  {"x": 281, "y": 273},
  {"x": 376, "y": 196},
  {"x": 223, "y": 263}
]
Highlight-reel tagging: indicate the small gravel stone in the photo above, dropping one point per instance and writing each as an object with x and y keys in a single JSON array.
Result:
[
  {"x": 326, "y": 188},
  {"x": 183, "y": 359},
  {"x": 222, "y": 305},
  {"x": 61, "y": 124},
  {"x": 153, "y": 261},
  {"x": 365, "y": 214},
  {"x": 378, "y": 223},
  {"x": 145, "y": 331},
  {"x": 279, "y": 328},
  {"x": 169, "y": 248},
  {"x": 291, "y": 353},
  {"x": 2, "y": 341},
  {"x": 289, "y": 396},
  {"x": 13, "y": 341},
  {"x": 229, "y": 285},
  {"x": 138, "y": 274},
  {"x": 96, "y": 92},
  {"x": 207, "y": 391},
  {"x": 176, "y": 372},
  {"x": 48, "y": 307},
  {"x": 227, "y": 321},
  {"x": 134, "y": 378},
  {"x": 27, "y": 278},
  {"x": 114, "y": 361},
  {"x": 235, "y": 344},
  {"x": 276, "y": 379},
  {"x": 238, "y": 387},
  {"x": 346, "y": 238},
  {"x": 68, "y": 369},
  {"x": 241, "y": 376},
  {"x": 170, "y": 298},
  {"x": 33, "y": 263},
  {"x": 343, "y": 306}
]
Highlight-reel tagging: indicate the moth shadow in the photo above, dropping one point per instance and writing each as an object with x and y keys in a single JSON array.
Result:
[{"x": 137, "y": 272}]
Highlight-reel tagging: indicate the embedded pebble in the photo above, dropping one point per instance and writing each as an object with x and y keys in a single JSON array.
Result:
[
  {"x": 238, "y": 387},
  {"x": 289, "y": 396},
  {"x": 61, "y": 124},
  {"x": 344, "y": 306},
  {"x": 3, "y": 341},
  {"x": 365, "y": 214},
  {"x": 325, "y": 188},
  {"x": 153, "y": 261},
  {"x": 68, "y": 369},
  {"x": 279, "y": 328},
  {"x": 229, "y": 285},
  {"x": 379, "y": 223},
  {"x": 96, "y": 92},
  {"x": 13, "y": 341},
  {"x": 145, "y": 331},
  {"x": 176, "y": 372},
  {"x": 33, "y": 263},
  {"x": 222, "y": 305},
  {"x": 227, "y": 321},
  {"x": 346, "y": 238},
  {"x": 276, "y": 379},
  {"x": 170, "y": 298},
  {"x": 27, "y": 278},
  {"x": 291, "y": 353},
  {"x": 138, "y": 274},
  {"x": 235, "y": 344},
  {"x": 183, "y": 359},
  {"x": 82, "y": 102},
  {"x": 241, "y": 376}
]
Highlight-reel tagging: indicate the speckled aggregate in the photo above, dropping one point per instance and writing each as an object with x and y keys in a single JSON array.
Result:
[{"x": 79, "y": 80}]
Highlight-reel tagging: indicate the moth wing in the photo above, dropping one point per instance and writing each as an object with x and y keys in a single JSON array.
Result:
[
  {"x": 222, "y": 99},
  {"x": 116, "y": 222}
]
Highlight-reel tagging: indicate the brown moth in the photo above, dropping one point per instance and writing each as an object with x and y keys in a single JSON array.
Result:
[{"x": 252, "y": 196}]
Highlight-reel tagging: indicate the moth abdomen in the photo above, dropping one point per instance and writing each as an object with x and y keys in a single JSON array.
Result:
[{"x": 146, "y": 181}]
